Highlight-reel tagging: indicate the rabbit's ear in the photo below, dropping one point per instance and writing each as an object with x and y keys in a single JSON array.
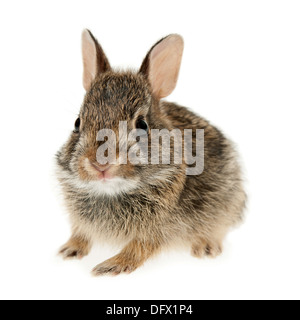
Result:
[
  {"x": 162, "y": 64},
  {"x": 94, "y": 59}
]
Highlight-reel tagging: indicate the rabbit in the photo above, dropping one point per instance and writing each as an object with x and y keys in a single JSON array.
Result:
[{"x": 146, "y": 208}]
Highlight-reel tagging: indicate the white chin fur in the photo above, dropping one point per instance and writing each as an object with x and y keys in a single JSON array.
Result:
[{"x": 111, "y": 187}]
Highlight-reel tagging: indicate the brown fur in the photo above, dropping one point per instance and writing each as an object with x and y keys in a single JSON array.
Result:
[{"x": 167, "y": 206}]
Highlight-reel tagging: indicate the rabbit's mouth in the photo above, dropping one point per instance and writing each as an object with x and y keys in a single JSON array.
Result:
[
  {"x": 104, "y": 172},
  {"x": 102, "y": 187},
  {"x": 107, "y": 183},
  {"x": 90, "y": 177}
]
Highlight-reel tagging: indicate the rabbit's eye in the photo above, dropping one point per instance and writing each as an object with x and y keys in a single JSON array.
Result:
[
  {"x": 142, "y": 124},
  {"x": 77, "y": 126}
]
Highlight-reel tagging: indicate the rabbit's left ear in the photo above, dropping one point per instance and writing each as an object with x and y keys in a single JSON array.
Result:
[
  {"x": 94, "y": 59},
  {"x": 162, "y": 64}
]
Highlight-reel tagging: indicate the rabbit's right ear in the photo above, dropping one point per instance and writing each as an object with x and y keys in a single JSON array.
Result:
[{"x": 94, "y": 59}]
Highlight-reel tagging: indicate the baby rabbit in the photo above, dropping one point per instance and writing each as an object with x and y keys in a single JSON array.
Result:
[{"x": 147, "y": 207}]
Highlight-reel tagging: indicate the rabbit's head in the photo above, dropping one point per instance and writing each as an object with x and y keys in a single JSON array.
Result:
[{"x": 120, "y": 102}]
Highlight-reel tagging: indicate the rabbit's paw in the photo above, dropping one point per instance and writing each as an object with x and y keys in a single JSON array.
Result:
[
  {"x": 114, "y": 267},
  {"x": 203, "y": 248},
  {"x": 75, "y": 249}
]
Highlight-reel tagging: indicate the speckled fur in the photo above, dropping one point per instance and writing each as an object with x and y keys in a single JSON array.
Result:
[{"x": 166, "y": 206}]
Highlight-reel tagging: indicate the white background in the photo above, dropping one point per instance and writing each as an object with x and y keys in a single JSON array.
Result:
[{"x": 241, "y": 70}]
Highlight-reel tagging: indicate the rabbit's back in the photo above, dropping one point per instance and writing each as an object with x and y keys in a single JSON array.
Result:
[{"x": 217, "y": 195}]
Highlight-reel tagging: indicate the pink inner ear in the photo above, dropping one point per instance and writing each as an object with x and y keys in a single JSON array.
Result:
[
  {"x": 165, "y": 61},
  {"x": 89, "y": 55}
]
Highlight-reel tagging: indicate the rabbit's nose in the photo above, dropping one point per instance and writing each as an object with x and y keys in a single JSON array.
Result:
[{"x": 100, "y": 167}]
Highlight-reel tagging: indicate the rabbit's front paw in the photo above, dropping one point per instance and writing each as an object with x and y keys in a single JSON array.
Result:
[
  {"x": 75, "y": 248},
  {"x": 114, "y": 267}
]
